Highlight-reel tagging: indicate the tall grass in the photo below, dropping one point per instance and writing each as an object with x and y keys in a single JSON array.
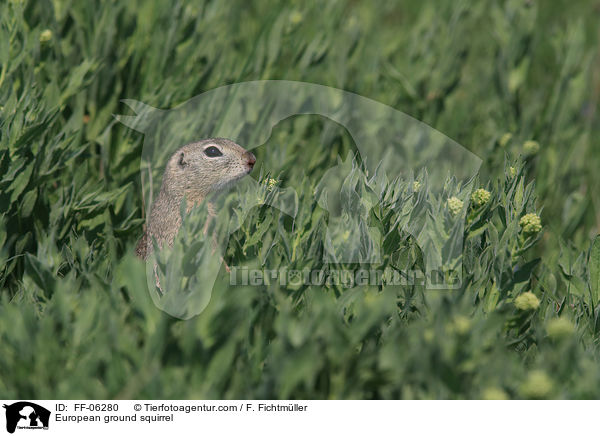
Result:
[{"x": 76, "y": 320}]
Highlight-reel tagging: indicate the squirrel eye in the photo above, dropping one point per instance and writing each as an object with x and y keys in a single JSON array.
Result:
[{"x": 212, "y": 152}]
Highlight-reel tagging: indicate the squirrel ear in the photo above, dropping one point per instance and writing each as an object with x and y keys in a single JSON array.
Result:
[{"x": 182, "y": 162}]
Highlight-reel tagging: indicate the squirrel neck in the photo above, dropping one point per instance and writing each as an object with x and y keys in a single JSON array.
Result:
[{"x": 170, "y": 197}]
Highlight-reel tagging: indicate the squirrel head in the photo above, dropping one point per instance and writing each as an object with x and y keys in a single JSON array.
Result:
[{"x": 198, "y": 169}]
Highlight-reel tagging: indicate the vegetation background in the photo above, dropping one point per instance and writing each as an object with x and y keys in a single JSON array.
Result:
[{"x": 76, "y": 320}]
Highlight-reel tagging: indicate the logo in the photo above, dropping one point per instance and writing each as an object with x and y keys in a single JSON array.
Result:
[
  {"x": 393, "y": 183},
  {"x": 26, "y": 415}
]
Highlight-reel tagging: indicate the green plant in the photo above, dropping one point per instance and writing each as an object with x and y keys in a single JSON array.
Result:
[{"x": 74, "y": 299}]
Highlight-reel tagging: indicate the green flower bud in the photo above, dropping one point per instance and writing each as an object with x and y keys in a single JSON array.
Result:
[
  {"x": 416, "y": 186},
  {"x": 480, "y": 197},
  {"x": 271, "y": 183},
  {"x": 46, "y": 35},
  {"x": 296, "y": 17},
  {"x": 455, "y": 205},
  {"x": 527, "y": 301},
  {"x": 531, "y": 223},
  {"x": 504, "y": 139},
  {"x": 512, "y": 171},
  {"x": 537, "y": 386},
  {"x": 461, "y": 325},
  {"x": 429, "y": 336},
  {"x": 559, "y": 328},
  {"x": 494, "y": 394},
  {"x": 530, "y": 147}
]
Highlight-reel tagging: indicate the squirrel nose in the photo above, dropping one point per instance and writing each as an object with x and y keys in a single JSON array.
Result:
[{"x": 250, "y": 158}]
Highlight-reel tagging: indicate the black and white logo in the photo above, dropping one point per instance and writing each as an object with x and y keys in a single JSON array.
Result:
[{"x": 26, "y": 415}]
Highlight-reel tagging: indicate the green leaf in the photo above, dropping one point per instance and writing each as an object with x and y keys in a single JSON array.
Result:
[
  {"x": 39, "y": 273},
  {"x": 20, "y": 182},
  {"x": 595, "y": 270},
  {"x": 28, "y": 202}
]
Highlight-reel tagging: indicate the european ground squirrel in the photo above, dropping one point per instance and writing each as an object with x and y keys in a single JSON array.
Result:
[{"x": 194, "y": 171}]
